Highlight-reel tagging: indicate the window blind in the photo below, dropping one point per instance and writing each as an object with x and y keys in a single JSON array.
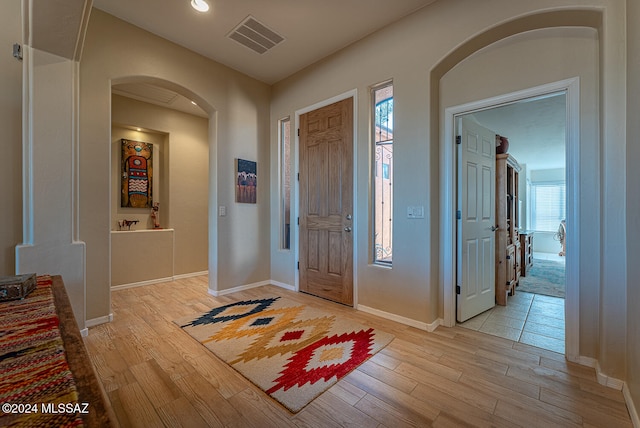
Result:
[{"x": 548, "y": 206}]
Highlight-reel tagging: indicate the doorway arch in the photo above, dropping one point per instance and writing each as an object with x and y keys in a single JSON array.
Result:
[
  {"x": 204, "y": 139},
  {"x": 442, "y": 131}
]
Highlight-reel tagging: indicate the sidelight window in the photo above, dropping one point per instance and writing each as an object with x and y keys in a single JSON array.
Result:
[
  {"x": 285, "y": 183},
  {"x": 382, "y": 100}
]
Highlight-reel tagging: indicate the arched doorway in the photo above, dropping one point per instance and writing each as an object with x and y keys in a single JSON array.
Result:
[
  {"x": 444, "y": 133},
  {"x": 163, "y": 239}
]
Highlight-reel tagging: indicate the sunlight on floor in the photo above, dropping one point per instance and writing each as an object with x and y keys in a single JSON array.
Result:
[
  {"x": 549, "y": 256},
  {"x": 528, "y": 318}
]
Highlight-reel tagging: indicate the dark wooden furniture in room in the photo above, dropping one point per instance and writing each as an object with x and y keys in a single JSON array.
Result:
[
  {"x": 508, "y": 250},
  {"x": 89, "y": 389},
  {"x": 526, "y": 244}
]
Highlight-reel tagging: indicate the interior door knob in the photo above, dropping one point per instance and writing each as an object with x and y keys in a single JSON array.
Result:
[{"x": 494, "y": 228}]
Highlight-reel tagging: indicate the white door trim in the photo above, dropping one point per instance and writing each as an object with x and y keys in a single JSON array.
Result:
[
  {"x": 295, "y": 239},
  {"x": 447, "y": 201}
]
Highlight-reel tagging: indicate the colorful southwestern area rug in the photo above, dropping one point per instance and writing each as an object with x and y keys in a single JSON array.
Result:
[
  {"x": 290, "y": 350},
  {"x": 35, "y": 376}
]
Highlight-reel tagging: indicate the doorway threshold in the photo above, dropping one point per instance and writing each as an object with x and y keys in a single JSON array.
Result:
[{"x": 532, "y": 319}]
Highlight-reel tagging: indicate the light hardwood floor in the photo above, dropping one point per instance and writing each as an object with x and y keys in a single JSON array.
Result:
[{"x": 156, "y": 375}]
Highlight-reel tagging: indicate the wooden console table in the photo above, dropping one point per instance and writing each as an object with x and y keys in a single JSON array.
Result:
[{"x": 48, "y": 308}]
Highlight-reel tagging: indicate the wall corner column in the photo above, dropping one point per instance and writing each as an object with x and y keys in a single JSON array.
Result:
[{"x": 50, "y": 174}]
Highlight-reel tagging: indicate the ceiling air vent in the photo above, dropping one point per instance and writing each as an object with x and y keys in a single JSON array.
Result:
[{"x": 255, "y": 35}]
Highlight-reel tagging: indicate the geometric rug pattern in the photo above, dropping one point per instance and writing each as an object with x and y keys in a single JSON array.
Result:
[
  {"x": 545, "y": 277},
  {"x": 35, "y": 378},
  {"x": 291, "y": 351}
]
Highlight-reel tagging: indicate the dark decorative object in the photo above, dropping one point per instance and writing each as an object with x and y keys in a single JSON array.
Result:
[
  {"x": 126, "y": 223},
  {"x": 155, "y": 215},
  {"x": 502, "y": 144},
  {"x": 17, "y": 287}
]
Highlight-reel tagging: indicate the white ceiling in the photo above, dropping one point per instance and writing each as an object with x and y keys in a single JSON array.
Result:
[
  {"x": 163, "y": 97},
  {"x": 535, "y": 128},
  {"x": 313, "y": 29}
]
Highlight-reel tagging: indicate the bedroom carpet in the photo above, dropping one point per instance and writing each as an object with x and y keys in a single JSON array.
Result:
[
  {"x": 545, "y": 277},
  {"x": 291, "y": 351}
]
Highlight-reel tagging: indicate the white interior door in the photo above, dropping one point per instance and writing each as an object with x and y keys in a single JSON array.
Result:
[{"x": 476, "y": 207}]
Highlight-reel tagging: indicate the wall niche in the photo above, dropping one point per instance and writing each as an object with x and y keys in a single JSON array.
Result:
[
  {"x": 124, "y": 208},
  {"x": 178, "y": 152}
]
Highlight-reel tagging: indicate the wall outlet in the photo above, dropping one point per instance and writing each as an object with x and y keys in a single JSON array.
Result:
[{"x": 222, "y": 210}]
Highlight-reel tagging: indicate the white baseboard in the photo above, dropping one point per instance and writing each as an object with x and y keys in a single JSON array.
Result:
[
  {"x": 602, "y": 378},
  {"x": 402, "y": 320},
  {"x": 216, "y": 293},
  {"x": 613, "y": 383},
  {"x": 159, "y": 280},
  {"x": 283, "y": 285},
  {"x": 633, "y": 412},
  {"x": 609, "y": 381},
  {"x": 190, "y": 275},
  {"x": 585, "y": 361},
  {"x": 141, "y": 283},
  {"x": 97, "y": 321}
]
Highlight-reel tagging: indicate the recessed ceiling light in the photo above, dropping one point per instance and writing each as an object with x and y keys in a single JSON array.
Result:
[
  {"x": 194, "y": 103},
  {"x": 138, "y": 129},
  {"x": 200, "y": 5}
]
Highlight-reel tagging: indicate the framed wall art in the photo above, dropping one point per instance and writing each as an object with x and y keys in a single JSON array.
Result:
[
  {"x": 246, "y": 181},
  {"x": 137, "y": 174}
]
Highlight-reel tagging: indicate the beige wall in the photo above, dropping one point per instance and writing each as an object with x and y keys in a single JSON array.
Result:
[
  {"x": 10, "y": 143},
  {"x": 50, "y": 243},
  {"x": 633, "y": 202},
  {"x": 116, "y": 52},
  {"x": 142, "y": 256},
  {"x": 181, "y": 171},
  {"x": 413, "y": 48}
]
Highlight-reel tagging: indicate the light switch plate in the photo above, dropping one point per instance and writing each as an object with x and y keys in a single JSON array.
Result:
[
  {"x": 415, "y": 212},
  {"x": 222, "y": 210}
]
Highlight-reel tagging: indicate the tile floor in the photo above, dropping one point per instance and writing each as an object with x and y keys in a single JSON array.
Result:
[{"x": 528, "y": 318}]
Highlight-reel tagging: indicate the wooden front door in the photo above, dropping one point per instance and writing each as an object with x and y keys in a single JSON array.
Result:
[{"x": 326, "y": 202}]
